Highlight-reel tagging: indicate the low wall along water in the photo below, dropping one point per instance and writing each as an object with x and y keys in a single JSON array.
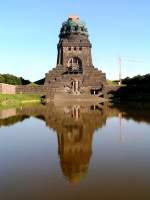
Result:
[
  {"x": 7, "y": 89},
  {"x": 26, "y": 89},
  {"x": 23, "y": 89}
]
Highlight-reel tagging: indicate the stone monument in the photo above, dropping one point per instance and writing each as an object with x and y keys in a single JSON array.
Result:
[{"x": 75, "y": 77}]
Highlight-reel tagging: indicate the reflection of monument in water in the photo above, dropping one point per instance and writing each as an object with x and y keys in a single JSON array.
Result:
[
  {"x": 75, "y": 148},
  {"x": 75, "y": 126}
]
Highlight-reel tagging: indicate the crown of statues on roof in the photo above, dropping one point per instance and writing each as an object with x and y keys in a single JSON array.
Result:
[
  {"x": 73, "y": 25},
  {"x": 74, "y": 18}
]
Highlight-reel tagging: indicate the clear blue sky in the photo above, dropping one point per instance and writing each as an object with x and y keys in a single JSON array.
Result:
[{"x": 29, "y": 34}]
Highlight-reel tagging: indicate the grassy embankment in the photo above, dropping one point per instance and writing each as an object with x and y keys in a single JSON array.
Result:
[
  {"x": 8, "y": 100},
  {"x": 111, "y": 83}
]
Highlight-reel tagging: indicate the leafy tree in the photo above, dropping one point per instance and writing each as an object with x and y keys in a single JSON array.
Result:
[
  {"x": 13, "y": 80},
  {"x": 2, "y": 79},
  {"x": 40, "y": 82},
  {"x": 24, "y": 81},
  {"x": 137, "y": 80}
]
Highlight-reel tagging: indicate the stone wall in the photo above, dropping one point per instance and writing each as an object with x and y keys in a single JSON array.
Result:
[
  {"x": 41, "y": 89},
  {"x": 23, "y": 89},
  {"x": 84, "y": 55},
  {"x": 26, "y": 89},
  {"x": 7, "y": 89}
]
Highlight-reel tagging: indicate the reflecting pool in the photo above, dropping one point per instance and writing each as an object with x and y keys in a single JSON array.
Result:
[{"x": 75, "y": 151}]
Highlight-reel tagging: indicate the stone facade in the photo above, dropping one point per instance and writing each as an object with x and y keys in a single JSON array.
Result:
[
  {"x": 23, "y": 89},
  {"x": 75, "y": 73},
  {"x": 27, "y": 89},
  {"x": 7, "y": 89}
]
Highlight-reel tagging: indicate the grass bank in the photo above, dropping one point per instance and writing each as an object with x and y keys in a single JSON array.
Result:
[{"x": 8, "y": 100}]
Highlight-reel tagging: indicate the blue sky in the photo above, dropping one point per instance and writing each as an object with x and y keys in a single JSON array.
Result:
[{"x": 29, "y": 34}]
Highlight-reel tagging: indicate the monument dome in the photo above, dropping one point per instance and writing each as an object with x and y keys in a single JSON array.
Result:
[{"x": 73, "y": 26}]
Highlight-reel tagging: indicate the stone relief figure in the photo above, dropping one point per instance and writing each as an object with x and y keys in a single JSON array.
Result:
[{"x": 67, "y": 89}]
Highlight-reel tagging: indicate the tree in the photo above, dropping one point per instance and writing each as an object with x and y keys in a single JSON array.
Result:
[{"x": 13, "y": 80}]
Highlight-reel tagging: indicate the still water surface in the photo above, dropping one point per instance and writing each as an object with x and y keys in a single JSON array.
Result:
[{"x": 75, "y": 152}]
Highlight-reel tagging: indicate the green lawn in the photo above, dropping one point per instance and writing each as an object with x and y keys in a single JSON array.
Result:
[{"x": 8, "y": 100}]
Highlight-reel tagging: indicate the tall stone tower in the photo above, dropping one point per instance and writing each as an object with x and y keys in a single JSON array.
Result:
[
  {"x": 74, "y": 45},
  {"x": 75, "y": 76}
]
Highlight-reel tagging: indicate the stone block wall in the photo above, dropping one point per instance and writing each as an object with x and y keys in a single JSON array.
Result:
[
  {"x": 23, "y": 89},
  {"x": 7, "y": 89},
  {"x": 26, "y": 89},
  {"x": 84, "y": 55}
]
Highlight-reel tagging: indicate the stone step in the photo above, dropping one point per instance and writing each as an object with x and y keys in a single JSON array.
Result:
[{"x": 70, "y": 97}]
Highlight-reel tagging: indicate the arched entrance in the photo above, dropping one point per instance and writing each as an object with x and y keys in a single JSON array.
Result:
[{"x": 75, "y": 66}]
